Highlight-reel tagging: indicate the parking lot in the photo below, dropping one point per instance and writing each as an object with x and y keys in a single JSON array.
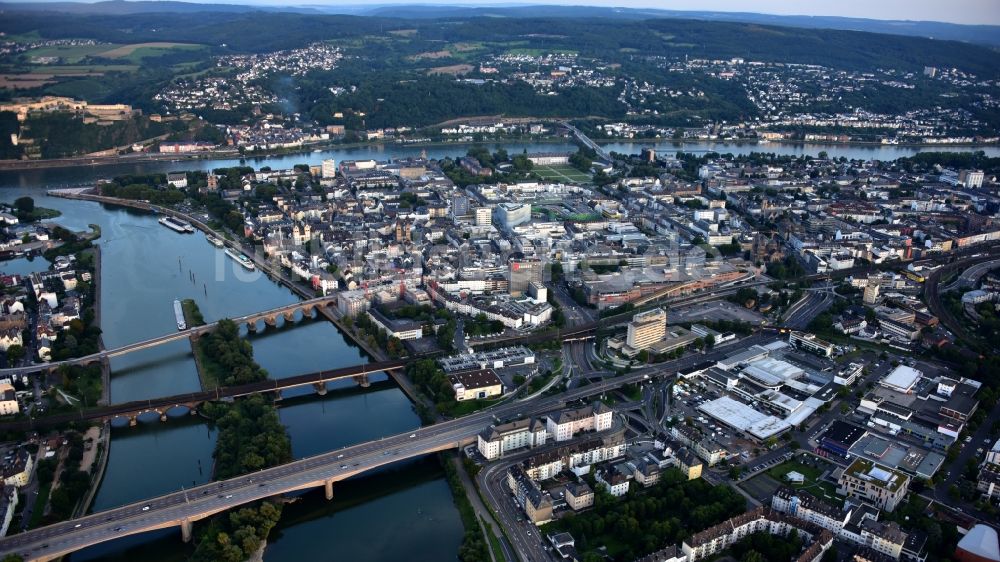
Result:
[
  {"x": 686, "y": 402},
  {"x": 712, "y": 311}
]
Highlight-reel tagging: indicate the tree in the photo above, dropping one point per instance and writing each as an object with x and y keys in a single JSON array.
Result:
[
  {"x": 15, "y": 353},
  {"x": 25, "y": 204}
]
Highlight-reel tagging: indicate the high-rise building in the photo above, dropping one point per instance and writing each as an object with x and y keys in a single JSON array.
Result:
[
  {"x": 648, "y": 154},
  {"x": 521, "y": 273},
  {"x": 459, "y": 205},
  {"x": 871, "y": 290},
  {"x": 329, "y": 168},
  {"x": 484, "y": 216},
  {"x": 646, "y": 328}
]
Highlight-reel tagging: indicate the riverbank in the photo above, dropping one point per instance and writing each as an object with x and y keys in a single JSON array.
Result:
[
  {"x": 686, "y": 144},
  {"x": 262, "y": 264},
  {"x": 91, "y": 161},
  {"x": 794, "y": 142}
]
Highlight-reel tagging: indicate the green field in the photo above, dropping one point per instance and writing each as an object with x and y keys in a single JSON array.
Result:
[
  {"x": 69, "y": 53},
  {"x": 567, "y": 174},
  {"x": 73, "y": 58},
  {"x": 812, "y": 468}
]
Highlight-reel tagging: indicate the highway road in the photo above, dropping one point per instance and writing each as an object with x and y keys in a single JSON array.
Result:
[
  {"x": 197, "y": 503},
  {"x": 971, "y": 276},
  {"x": 801, "y": 313}
]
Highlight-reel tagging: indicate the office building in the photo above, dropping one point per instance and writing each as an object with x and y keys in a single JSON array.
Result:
[
  {"x": 509, "y": 215},
  {"x": 483, "y": 216},
  {"x": 476, "y": 385},
  {"x": 521, "y": 274},
  {"x": 811, "y": 343},
  {"x": 646, "y": 328},
  {"x": 971, "y": 178},
  {"x": 871, "y": 290}
]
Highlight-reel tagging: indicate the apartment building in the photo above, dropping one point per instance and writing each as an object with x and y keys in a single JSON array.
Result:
[
  {"x": 537, "y": 504},
  {"x": 563, "y": 425},
  {"x": 579, "y": 495},
  {"x": 762, "y": 519},
  {"x": 496, "y": 441},
  {"x": 881, "y": 487}
]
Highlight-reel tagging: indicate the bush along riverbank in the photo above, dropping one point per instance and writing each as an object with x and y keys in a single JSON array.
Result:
[{"x": 251, "y": 438}]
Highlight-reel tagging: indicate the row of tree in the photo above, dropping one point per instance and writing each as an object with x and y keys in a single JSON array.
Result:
[{"x": 251, "y": 438}]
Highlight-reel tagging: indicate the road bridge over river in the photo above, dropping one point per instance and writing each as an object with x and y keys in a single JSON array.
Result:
[
  {"x": 183, "y": 508},
  {"x": 270, "y": 318}
]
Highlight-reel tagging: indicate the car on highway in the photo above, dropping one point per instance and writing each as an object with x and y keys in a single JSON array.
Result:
[
  {"x": 117, "y": 530},
  {"x": 145, "y": 507}
]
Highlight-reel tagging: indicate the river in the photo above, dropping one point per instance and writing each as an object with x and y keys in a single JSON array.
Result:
[
  {"x": 54, "y": 177},
  {"x": 145, "y": 267},
  {"x": 404, "y": 512}
]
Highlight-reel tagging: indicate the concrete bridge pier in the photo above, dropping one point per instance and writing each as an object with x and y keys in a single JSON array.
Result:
[
  {"x": 187, "y": 529},
  {"x": 362, "y": 380},
  {"x": 271, "y": 321},
  {"x": 320, "y": 388},
  {"x": 133, "y": 420},
  {"x": 252, "y": 327},
  {"x": 289, "y": 317},
  {"x": 163, "y": 416},
  {"x": 328, "y": 489}
]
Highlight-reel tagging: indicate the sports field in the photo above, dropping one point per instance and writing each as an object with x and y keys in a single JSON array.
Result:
[{"x": 566, "y": 174}]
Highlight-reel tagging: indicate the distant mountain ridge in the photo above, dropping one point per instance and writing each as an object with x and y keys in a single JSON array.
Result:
[
  {"x": 982, "y": 34},
  {"x": 126, "y": 7}
]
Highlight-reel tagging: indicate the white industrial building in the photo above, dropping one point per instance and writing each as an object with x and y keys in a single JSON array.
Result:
[{"x": 741, "y": 417}]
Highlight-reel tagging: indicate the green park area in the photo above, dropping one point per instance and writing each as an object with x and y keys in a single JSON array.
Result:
[
  {"x": 565, "y": 174},
  {"x": 812, "y": 470}
]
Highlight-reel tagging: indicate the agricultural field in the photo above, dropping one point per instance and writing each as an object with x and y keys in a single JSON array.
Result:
[
  {"x": 566, "y": 174},
  {"x": 61, "y": 60},
  {"x": 25, "y": 81},
  {"x": 68, "y": 54},
  {"x": 454, "y": 70}
]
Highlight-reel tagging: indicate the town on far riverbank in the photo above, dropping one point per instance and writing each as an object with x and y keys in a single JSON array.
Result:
[
  {"x": 50, "y": 315},
  {"x": 459, "y": 274}
]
